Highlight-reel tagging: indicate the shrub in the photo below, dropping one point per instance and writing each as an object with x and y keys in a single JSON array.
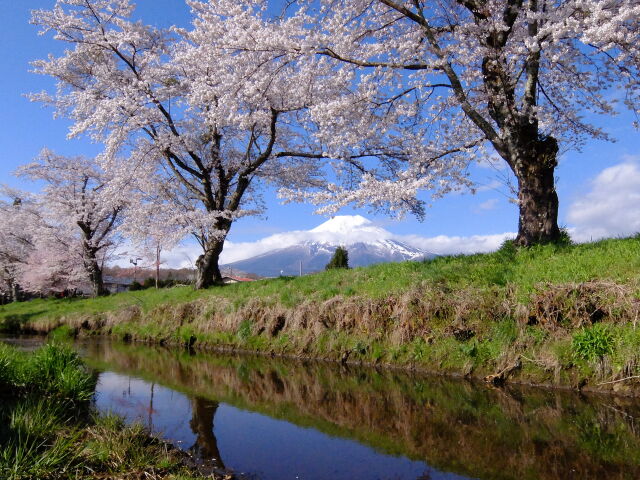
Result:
[
  {"x": 507, "y": 251},
  {"x": 592, "y": 343}
]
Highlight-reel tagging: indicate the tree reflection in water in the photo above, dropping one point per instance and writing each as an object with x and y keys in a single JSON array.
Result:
[{"x": 205, "y": 447}]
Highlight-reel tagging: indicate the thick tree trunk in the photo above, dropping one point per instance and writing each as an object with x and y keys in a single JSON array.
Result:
[
  {"x": 537, "y": 197},
  {"x": 207, "y": 268},
  {"x": 95, "y": 273}
]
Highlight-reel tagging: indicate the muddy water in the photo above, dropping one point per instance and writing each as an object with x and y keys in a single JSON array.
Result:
[{"x": 274, "y": 419}]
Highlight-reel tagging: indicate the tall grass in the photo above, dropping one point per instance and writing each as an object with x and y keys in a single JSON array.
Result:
[
  {"x": 53, "y": 370},
  {"x": 49, "y": 431}
]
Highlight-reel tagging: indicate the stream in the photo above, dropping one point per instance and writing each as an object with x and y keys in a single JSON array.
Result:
[{"x": 269, "y": 418}]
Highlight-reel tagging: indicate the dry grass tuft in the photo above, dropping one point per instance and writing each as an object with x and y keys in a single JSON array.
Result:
[{"x": 579, "y": 304}]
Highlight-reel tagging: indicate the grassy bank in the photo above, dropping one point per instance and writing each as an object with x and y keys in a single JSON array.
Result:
[
  {"x": 560, "y": 315},
  {"x": 49, "y": 431}
]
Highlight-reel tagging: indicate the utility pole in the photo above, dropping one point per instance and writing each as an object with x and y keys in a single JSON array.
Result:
[
  {"x": 158, "y": 249},
  {"x": 300, "y": 267},
  {"x": 134, "y": 261}
]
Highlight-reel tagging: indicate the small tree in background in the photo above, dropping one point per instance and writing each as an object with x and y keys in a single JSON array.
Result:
[{"x": 340, "y": 259}]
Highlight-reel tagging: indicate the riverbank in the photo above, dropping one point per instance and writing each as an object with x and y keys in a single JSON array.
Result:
[
  {"x": 562, "y": 316},
  {"x": 48, "y": 429}
]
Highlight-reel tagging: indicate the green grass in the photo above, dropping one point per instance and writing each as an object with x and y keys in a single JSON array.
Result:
[
  {"x": 48, "y": 429},
  {"x": 52, "y": 370},
  {"x": 617, "y": 260},
  {"x": 56, "y": 308}
]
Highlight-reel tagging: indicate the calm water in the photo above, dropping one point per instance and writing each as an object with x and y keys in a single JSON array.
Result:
[{"x": 274, "y": 419}]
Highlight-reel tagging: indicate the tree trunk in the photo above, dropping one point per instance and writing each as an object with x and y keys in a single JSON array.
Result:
[
  {"x": 207, "y": 269},
  {"x": 15, "y": 292},
  {"x": 95, "y": 273},
  {"x": 537, "y": 197}
]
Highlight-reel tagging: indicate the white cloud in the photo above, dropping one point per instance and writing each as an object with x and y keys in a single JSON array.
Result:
[
  {"x": 183, "y": 256},
  {"x": 488, "y": 205},
  {"x": 612, "y": 206},
  {"x": 492, "y": 185},
  {"x": 445, "y": 245}
]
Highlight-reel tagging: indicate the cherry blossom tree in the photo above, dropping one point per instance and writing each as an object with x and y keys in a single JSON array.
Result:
[
  {"x": 55, "y": 264},
  {"x": 158, "y": 94},
  {"x": 521, "y": 78},
  {"x": 82, "y": 208},
  {"x": 16, "y": 242},
  {"x": 35, "y": 257},
  {"x": 222, "y": 108}
]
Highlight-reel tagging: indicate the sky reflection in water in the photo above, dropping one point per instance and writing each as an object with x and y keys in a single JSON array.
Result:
[{"x": 247, "y": 441}]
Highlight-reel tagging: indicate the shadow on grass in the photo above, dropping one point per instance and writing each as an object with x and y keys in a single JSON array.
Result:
[{"x": 13, "y": 323}]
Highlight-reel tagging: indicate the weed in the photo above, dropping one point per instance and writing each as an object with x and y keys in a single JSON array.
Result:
[
  {"x": 244, "y": 330},
  {"x": 418, "y": 349},
  {"x": 593, "y": 343}
]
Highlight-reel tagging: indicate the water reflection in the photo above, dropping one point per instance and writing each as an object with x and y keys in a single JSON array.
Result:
[
  {"x": 279, "y": 419},
  {"x": 206, "y": 445}
]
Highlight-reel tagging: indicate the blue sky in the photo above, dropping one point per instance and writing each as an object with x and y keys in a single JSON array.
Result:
[{"x": 28, "y": 127}]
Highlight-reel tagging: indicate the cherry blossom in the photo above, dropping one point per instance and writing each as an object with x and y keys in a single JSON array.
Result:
[
  {"x": 522, "y": 80},
  {"x": 81, "y": 207}
]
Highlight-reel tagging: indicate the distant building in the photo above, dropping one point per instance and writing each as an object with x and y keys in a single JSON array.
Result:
[
  {"x": 116, "y": 285},
  {"x": 228, "y": 280}
]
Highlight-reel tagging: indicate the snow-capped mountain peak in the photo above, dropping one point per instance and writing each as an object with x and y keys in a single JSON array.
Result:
[{"x": 366, "y": 244}]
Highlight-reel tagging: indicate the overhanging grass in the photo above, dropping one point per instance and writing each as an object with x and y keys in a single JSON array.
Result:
[
  {"x": 617, "y": 260},
  {"x": 52, "y": 370},
  {"x": 49, "y": 431}
]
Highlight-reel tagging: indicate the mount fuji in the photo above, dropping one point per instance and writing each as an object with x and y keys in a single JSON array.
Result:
[{"x": 366, "y": 243}]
